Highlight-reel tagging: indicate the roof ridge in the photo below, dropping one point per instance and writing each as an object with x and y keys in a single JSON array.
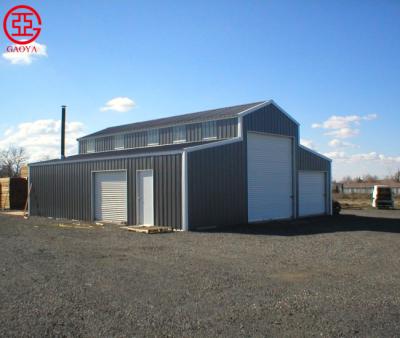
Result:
[{"x": 174, "y": 119}]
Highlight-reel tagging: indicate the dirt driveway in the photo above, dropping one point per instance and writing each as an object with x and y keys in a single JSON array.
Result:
[{"x": 329, "y": 277}]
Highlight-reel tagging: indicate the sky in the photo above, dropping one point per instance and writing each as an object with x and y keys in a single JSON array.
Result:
[{"x": 333, "y": 65}]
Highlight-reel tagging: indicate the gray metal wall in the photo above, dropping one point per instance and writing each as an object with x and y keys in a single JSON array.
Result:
[
  {"x": 270, "y": 120},
  {"x": 226, "y": 128},
  {"x": 217, "y": 177},
  {"x": 306, "y": 160},
  {"x": 64, "y": 190},
  {"x": 217, "y": 194}
]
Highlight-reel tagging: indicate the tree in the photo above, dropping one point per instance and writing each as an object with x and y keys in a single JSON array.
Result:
[
  {"x": 370, "y": 178},
  {"x": 396, "y": 176},
  {"x": 11, "y": 161}
]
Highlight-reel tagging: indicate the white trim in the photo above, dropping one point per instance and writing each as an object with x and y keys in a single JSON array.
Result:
[
  {"x": 213, "y": 144},
  {"x": 92, "y": 197},
  {"x": 254, "y": 108},
  {"x": 160, "y": 153},
  {"x": 209, "y": 138},
  {"x": 315, "y": 153},
  {"x": 240, "y": 127},
  {"x": 330, "y": 189},
  {"x": 185, "y": 210},
  {"x": 294, "y": 178}
]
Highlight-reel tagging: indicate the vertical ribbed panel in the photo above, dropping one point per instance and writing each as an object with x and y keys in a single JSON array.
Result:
[
  {"x": 270, "y": 119},
  {"x": 217, "y": 188},
  {"x": 65, "y": 190},
  {"x": 226, "y": 128},
  {"x": 306, "y": 160},
  {"x": 166, "y": 135}
]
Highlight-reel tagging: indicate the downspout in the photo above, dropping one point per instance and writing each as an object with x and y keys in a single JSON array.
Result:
[
  {"x": 185, "y": 211},
  {"x": 29, "y": 191}
]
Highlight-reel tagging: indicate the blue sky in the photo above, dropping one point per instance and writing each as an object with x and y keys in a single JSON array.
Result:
[{"x": 317, "y": 59}]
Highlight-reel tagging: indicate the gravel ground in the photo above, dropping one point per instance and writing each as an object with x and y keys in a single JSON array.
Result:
[{"x": 329, "y": 277}]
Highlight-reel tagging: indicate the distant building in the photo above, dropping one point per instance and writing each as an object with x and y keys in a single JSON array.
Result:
[{"x": 364, "y": 187}]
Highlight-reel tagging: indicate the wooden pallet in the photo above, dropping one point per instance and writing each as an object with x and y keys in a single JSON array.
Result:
[{"x": 147, "y": 229}]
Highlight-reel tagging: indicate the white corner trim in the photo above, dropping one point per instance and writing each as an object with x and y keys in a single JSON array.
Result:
[
  {"x": 254, "y": 108},
  {"x": 240, "y": 127},
  {"x": 315, "y": 153},
  {"x": 330, "y": 189},
  {"x": 185, "y": 210},
  {"x": 213, "y": 144}
]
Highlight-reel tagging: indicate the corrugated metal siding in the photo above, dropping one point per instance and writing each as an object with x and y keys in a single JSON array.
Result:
[
  {"x": 64, "y": 191},
  {"x": 193, "y": 132},
  {"x": 135, "y": 140},
  {"x": 82, "y": 147},
  {"x": 166, "y": 135},
  {"x": 270, "y": 119},
  {"x": 226, "y": 128},
  {"x": 217, "y": 193},
  {"x": 306, "y": 160},
  {"x": 104, "y": 144}
]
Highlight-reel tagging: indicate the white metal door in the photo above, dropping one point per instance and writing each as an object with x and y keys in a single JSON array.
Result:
[
  {"x": 110, "y": 196},
  {"x": 145, "y": 204},
  {"x": 312, "y": 194},
  {"x": 269, "y": 177}
]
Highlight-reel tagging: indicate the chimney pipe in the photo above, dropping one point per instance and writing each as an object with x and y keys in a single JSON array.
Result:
[{"x": 63, "y": 111}]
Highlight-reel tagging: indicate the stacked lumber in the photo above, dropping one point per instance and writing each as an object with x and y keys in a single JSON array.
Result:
[
  {"x": 147, "y": 229},
  {"x": 24, "y": 171},
  {"x": 13, "y": 193},
  {"x": 5, "y": 193}
]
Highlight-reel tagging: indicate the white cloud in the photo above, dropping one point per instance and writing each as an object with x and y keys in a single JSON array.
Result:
[
  {"x": 336, "y": 155},
  {"x": 25, "y": 54},
  {"x": 344, "y": 126},
  {"x": 119, "y": 104},
  {"x": 356, "y": 158},
  {"x": 307, "y": 143},
  {"x": 343, "y": 133},
  {"x": 360, "y": 164},
  {"x": 41, "y": 138},
  {"x": 335, "y": 143}
]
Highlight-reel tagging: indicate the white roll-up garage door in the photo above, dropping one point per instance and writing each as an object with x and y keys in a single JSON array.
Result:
[
  {"x": 110, "y": 196},
  {"x": 312, "y": 196},
  {"x": 269, "y": 177}
]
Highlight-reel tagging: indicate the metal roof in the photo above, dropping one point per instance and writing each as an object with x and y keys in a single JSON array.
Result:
[
  {"x": 114, "y": 154},
  {"x": 212, "y": 114}
]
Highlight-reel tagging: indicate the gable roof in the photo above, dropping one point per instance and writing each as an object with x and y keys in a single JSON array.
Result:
[{"x": 213, "y": 114}]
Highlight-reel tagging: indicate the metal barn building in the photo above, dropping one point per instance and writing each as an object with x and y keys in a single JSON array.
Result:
[{"x": 215, "y": 168}]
